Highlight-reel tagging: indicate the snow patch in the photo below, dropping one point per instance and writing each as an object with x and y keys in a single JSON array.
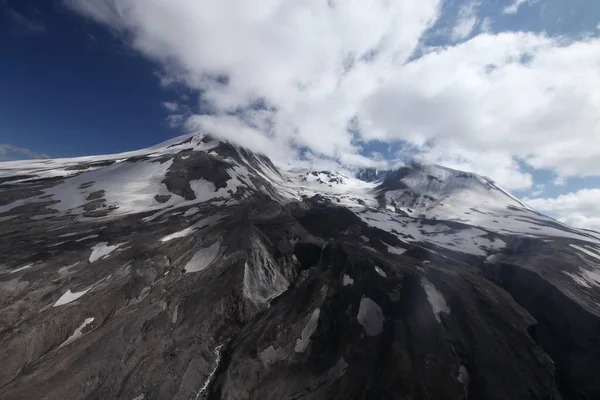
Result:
[
  {"x": 24, "y": 267},
  {"x": 70, "y": 297},
  {"x": 212, "y": 373},
  {"x": 182, "y": 233},
  {"x": 190, "y": 212},
  {"x": 204, "y": 190},
  {"x": 129, "y": 187},
  {"x": 102, "y": 250},
  {"x": 585, "y": 278},
  {"x": 86, "y": 238},
  {"x": 78, "y": 332},
  {"x": 346, "y": 280},
  {"x": 272, "y": 354},
  {"x": 203, "y": 258},
  {"x": 201, "y": 224},
  {"x": 396, "y": 250},
  {"x": 436, "y": 299},
  {"x": 304, "y": 340},
  {"x": 492, "y": 258},
  {"x": 370, "y": 317},
  {"x": 175, "y": 312},
  {"x": 469, "y": 240},
  {"x": 65, "y": 270},
  {"x": 586, "y": 251},
  {"x": 463, "y": 378},
  {"x": 380, "y": 271},
  {"x": 68, "y": 234},
  {"x": 341, "y": 189}
]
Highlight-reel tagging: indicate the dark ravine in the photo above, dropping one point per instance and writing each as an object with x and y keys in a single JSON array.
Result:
[
  {"x": 568, "y": 332},
  {"x": 218, "y": 276}
]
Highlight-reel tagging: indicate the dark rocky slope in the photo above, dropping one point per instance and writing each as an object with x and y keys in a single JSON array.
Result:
[{"x": 240, "y": 281}]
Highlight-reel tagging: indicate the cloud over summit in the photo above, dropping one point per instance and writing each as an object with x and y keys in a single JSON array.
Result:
[{"x": 331, "y": 76}]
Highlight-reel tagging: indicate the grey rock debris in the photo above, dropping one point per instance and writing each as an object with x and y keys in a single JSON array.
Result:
[{"x": 198, "y": 269}]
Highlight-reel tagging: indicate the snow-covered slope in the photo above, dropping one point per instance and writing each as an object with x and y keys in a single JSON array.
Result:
[
  {"x": 188, "y": 170},
  {"x": 198, "y": 169},
  {"x": 437, "y": 193},
  {"x": 440, "y": 192}
]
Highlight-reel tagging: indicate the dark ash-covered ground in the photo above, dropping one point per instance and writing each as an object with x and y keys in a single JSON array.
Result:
[{"x": 252, "y": 295}]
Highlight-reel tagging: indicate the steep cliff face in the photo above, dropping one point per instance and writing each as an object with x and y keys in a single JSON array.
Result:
[{"x": 197, "y": 269}]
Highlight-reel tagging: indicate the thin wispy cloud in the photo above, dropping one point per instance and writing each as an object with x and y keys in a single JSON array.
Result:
[
  {"x": 514, "y": 7},
  {"x": 10, "y": 152},
  {"x": 170, "y": 106},
  {"x": 466, "y": 21},
  {"x": 30, "y": 25}
]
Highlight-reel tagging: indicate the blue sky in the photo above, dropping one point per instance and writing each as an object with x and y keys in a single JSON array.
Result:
[
  {"x": 72, "y": 88},
  {"x": 505, "y": 88}
]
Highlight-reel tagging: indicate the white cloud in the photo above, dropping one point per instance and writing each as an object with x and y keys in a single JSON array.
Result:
[
  {"x": 170, "y": 106},
  {"x": 539, "y": 189},
  {"x": 486, "y": 25},
  {"x": 514, "y": 7},
  {"x": 497, "y": 99},
  {"x": 499, "y": 165},
  {"x": 285, "y": 75},
  {"x": 467, "y": 19},
  {"x": 578, "y": 209},
  {"x": 175, "y": 120},
  {"x": 311, "y": 61}
]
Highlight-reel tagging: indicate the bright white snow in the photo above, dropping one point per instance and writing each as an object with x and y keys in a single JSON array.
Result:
[
  {"x": 203, "y": 223},
  {"x": 436, "y": 299},
  {"x": 203, "y": 258},
  {"x": 432, "y": 191},
  {"x": 24, "y": 267},
  {"x": 444, "y": 194},
  {"x": 343, "y": 190},
  {"x": 128, "y": 186},
  {"x": 204, "y": 190},
  {"x": 396, "y": 250},
  {"x": 102, "y": 250},
  {"x": 304, "y": 340},
  {"x": 191, "y": 212},
  {"x": 212, "y": 373},
  {"x": 468, "y": 240},
  {"x": 86, "y": 238},
  {"x": 61, "y": 166},
  {"x": 370, "y": 316},
  {"x": 70, "y": 297},
  {"x": 78, "y": 332}
]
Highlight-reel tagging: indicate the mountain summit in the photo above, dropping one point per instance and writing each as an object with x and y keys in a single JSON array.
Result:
[{"x": 197, "y": 269}]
